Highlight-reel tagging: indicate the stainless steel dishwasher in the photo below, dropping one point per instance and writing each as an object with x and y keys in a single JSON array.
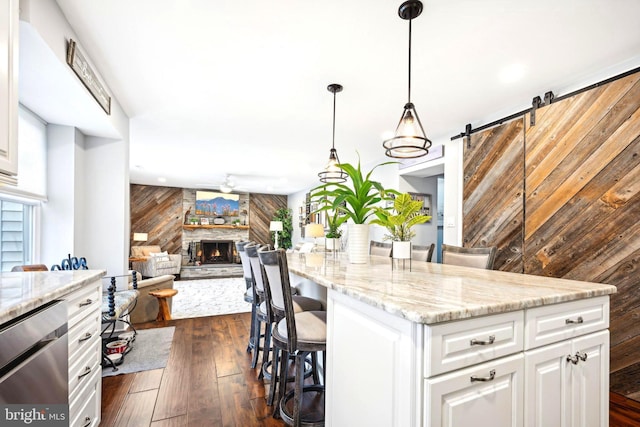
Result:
[{"x": 34, "y": 357}]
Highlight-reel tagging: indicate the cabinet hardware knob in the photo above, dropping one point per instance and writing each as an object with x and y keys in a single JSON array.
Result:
[
  {"x": 85, "y": 303},
  {"x": 87, "y": 422},
  {"x": 572, "y": 359},
  {"x": 578, "y": 320},
  {"x": 87, "y": 371},
  {"x": 491, "y": 377},
  {"x": 582, "y": 356},
  {"x": 491, "y": 340},
  {"x": 85, "y": 337}
]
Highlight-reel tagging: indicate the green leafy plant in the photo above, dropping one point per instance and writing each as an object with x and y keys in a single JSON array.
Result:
[
  {"x": 356, "y": 199},
  {"x": 400, "y": 220},
  {"x": 284, "y": 236}
]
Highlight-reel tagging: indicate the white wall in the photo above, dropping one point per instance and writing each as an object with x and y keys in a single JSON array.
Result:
[
  {"x": 87, "y": 213},
  {"x": 105, "y": 205},
  {"x": 59, "y": 212}
]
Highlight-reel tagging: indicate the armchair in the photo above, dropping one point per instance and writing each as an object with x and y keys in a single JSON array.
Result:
[{"x": 156, "y": 263}]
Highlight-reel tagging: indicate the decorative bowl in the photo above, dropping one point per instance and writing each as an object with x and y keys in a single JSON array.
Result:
[{"x": 118, "y": 346}]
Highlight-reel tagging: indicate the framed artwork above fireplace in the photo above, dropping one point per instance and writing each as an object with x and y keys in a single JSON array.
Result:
[{"x": 210, "y": 203}]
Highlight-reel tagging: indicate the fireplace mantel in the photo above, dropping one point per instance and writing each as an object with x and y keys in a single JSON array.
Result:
[{"x": 226, "y": 226}]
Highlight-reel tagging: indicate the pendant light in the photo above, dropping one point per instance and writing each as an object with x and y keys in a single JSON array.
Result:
[
  {"x": 332, "y": 173},
  {"x": 410, "y": 140}
]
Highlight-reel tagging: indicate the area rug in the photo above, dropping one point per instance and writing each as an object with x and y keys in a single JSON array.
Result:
[
  {"x": 209, "y": 297},
  {"x": 149, "y": 351}
]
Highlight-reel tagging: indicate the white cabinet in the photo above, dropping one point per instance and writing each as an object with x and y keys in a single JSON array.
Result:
[
  {"x": 487, "y": 395},
  {"x": 85, "y": 355},
  {"x": 541, "y": 367},
  {"x": 9, "y": 21},
  {"x": 567, "y": 383},
  {"x": 372, "y": 366}
]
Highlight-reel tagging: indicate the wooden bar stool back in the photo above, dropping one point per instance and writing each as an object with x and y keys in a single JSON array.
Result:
[
  {"x": 469, "y": 257},
  {"x": 300, "y": 334},
  {"x": 249, "y": 294}
]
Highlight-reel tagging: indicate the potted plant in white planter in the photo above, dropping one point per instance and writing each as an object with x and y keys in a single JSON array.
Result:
[
  {"x": 399, "y": 221},
  {"x": 356, "y": 200}
]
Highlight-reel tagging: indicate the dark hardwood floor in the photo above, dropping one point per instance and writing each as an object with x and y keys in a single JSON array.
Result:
[{"x": 208, "y": 381}]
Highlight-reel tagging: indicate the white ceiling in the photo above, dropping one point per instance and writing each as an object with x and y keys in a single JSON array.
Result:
[{"x": 227, "y": 87}]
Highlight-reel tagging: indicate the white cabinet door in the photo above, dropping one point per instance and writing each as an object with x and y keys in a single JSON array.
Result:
[
  {"x": 8, "y": 90},
  {"x": 590, "y": 381},
  {"x": 567, "y": 383},
  {"x": 485, "y": 395},
  {"x": 548, "y": 386}
]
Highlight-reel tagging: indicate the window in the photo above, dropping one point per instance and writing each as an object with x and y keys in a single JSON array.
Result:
[
  {"x": 16, "y": 232},
  {"x": 20, "y": 205}
]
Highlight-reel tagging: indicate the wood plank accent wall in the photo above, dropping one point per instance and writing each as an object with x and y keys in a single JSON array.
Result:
[
  {"x": 158, "y": 212},
  {"x": 262, "y": 208},
  {"x": 494, "y": 164},
  {"x": 582, "y": 204}
]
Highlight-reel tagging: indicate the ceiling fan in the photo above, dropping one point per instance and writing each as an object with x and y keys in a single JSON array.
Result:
[{"x": 227, "y": 185}]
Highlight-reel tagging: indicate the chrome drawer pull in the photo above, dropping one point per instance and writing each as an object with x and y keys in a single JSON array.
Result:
[
  {"x": 491, "y": 377},
  {"x": 86, "y": 372},
  {"x": 492, "y": 338},
  {"x": 578, "y": 320},
  {"x": 572, "y": 359},
  {"x": 85, "y": 303},
  {"x": 87, "y": 421},
  {"x": 581, "y": 356},
  {"x": 85, "y": 337}
]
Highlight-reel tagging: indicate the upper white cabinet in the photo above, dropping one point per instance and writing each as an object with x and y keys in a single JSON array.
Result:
[{"x": 9, "y": 18}]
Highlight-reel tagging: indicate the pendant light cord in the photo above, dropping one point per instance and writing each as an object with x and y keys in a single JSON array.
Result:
[
  {"x": 409, "y": 94},
  {"x": 333, "y": 142}
]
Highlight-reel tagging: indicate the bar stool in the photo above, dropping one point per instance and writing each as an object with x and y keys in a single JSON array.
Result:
[
  {"x": 469, "y": 257},
  {"x": 298, "y": 334},
  {"x": 248, "y": 295},
  {"x": 269, "y": 315}
]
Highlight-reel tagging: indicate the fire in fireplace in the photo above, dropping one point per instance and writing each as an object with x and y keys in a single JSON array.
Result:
[{"x": 217, "y": 251}]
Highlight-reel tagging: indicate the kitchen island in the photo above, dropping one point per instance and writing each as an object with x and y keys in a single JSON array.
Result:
[
  {"x": 454, "y": 346},
  {"x": 73, "y": 359}
]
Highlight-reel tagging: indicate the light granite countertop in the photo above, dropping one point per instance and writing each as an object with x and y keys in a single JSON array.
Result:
[
  {"x": 433, "y": 293},
  {"x": 21, "y": 292}
]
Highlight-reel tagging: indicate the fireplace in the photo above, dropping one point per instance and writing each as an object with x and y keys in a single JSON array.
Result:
[{"x": 217, "y": 251}]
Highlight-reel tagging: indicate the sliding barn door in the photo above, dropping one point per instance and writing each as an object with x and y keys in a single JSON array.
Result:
[
  {"x": 583, "y": 206},
  {"x": 561, "y": 198},
  {"x": 493, "y": 193}
]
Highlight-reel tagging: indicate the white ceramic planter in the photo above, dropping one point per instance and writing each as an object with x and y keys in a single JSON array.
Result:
[
  {"x": 358, "y": 245},
  {"x": 401, "y": 250},
  {"x": 332, "y": 244}
]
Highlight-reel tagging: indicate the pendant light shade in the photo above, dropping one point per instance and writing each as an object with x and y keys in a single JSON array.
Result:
[
  {"x": 332, "y": 173},
  {"x": 410, "y": 140}
]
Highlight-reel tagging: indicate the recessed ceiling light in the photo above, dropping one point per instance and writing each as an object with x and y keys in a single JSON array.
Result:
[{"x": 162, "y": 179}]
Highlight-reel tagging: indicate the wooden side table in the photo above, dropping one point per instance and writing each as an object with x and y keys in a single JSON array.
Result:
[{"x": 163, "y": 306}]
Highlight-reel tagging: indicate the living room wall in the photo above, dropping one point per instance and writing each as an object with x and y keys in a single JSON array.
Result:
[{"x": 159, "y": 212}]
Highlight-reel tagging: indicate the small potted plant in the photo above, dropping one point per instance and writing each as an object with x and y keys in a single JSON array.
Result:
[
  {"x": 399, "y": 221},
  {"x": 334, "y": 220},
  {"x": 357, "y": 201}
]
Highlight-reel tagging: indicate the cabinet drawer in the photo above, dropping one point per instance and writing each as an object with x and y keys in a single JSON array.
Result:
[
  {"x": 463, "y": 343},
  {"x": 80, "y": 335},
  {"x": 489, "y": 394},
  {"x": 84, "y": 410},
  {"x": 82, "y": 302},
  {"x": 557, "y": 322},
  {"x": 87, "y": 363}
]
